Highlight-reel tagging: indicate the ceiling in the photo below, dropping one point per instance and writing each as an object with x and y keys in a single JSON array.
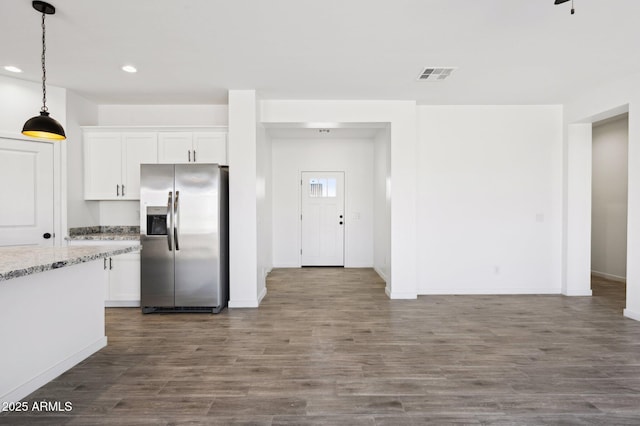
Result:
[{"x": 194, "y": 51}]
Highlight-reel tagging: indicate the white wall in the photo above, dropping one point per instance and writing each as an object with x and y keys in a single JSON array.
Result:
[
  {"x": 163, "y": 115},
  {"x": 80, "y": 112},
  {"x": 355, "y": 158},
  {"x": 489, "y": 200},
  {"x": 609, "y": 199},
  {"x": 119, "y": 213},
  {"x": 599, "y": 103},
  {"x": 401, "y": 116},
  {"x": 382, "y": 204},
  {"x": 264, "y": 207}
]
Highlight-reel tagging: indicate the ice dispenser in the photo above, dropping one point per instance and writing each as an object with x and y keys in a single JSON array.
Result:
[{"x": 157, "y": 220}]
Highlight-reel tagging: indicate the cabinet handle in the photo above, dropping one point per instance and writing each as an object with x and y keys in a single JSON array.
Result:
[
  {"x": 110, "y": 264},
  {"x": 194, "y": 155},
  {"x": 105, "y": 263},
  {"x": 123, "y": 190},
  {"x": 189, "y": 155},
  {"x": 118, "y": 190}
]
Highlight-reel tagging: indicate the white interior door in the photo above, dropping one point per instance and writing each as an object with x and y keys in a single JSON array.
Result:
[
  {"x": 322, "y": 208},
  {"x": 26, "y": 173}
]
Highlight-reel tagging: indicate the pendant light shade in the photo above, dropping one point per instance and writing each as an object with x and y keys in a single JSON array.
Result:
[{"x": 43, "y": 126}]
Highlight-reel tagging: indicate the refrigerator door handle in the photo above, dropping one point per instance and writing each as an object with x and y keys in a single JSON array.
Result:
[
  {"x": 169, "y": 220},
  {"x": 176, "y": 208}
]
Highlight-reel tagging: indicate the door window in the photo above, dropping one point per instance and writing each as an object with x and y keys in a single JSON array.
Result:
[{"x": 322, "y": 187}]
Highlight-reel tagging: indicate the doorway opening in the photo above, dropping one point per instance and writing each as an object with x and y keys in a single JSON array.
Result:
[
  {"x": 609, "y": 205},
  {"x": 360, "y": 154}
]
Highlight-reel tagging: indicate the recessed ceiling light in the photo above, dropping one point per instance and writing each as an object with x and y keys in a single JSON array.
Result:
[
  {"x": 12, "y": 68},
  {"x": 129, "y": 68}
]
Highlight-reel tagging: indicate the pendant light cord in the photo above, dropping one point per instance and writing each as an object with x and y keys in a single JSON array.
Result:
[{"x": 44, "y": 70}]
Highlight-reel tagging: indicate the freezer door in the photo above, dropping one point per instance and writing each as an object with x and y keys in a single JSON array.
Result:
[
  {"x": 156, "y": 220},
  {"x": 197, "y": 237}
]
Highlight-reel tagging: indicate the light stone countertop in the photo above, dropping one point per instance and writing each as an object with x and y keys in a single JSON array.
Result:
[
  {"x": 105, "y": 236},
  {"x": 26, "y": 260},
  {"x": 104, "y": 233}
]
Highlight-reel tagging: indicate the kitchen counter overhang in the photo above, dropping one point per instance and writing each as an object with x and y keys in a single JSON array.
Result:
[
  {"x": 52, "y": 306},
  {"x": 20, "y": 261}
]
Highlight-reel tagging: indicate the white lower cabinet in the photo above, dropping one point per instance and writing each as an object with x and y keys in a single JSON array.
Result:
[
  {"x": 123, "y": 284},
  {"x": 124, "y": 280}
]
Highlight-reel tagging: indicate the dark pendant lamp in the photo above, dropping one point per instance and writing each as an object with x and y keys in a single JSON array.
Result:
[{"x": 42, "y": 126}]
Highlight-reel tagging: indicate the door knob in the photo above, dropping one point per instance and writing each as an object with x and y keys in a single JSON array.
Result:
[
  {"x": 340, "y": 223},
  {"x": 46, "y": 235}
]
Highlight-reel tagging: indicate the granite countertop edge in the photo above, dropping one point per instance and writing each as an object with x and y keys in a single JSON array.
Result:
[
  {"x": 99, "y": 252},
  {"x": 104, "y": 237}
]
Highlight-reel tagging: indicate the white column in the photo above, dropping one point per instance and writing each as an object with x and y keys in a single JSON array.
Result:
[
  {"x": 243, "y": 233},
  {"x": 578, "y": 211},
  {"x": 404, "y": 186},
  {"x": 632, "y": 309}
]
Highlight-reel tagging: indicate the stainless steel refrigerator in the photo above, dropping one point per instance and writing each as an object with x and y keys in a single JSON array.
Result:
[{"x": 184, "y": 235}]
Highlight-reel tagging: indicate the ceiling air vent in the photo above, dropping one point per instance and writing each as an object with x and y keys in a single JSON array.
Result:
[{"x": 436, "y": 73}]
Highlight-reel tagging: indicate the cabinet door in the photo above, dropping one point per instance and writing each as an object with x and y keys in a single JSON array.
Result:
[
  {"x": 102, "y": 165},
  {"x": 137, "y": 148},
  {"x": 124, "y": 280},
  {"x": 175, "y": 147},
  {"x": 210, "y": 147}
]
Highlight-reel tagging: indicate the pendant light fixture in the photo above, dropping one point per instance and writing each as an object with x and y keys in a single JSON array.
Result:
[
  {"x": 43, "y": 126},
  {"x": 573, "y": 9}
]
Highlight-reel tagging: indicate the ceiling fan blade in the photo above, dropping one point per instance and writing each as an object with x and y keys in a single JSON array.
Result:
[{"x": 560, "y": 1}]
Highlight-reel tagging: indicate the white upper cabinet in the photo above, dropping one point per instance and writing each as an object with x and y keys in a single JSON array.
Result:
[
  {"x": 137, "y": 148},
  {"x": 102, "y": 165},
  {"x": 210, "y": 147},
  {"x": 192, "y": 147},
  {"x": 175, "y": 147},
  {"x": 112, "y": 156},
  {"x": 112, "y": 163}
]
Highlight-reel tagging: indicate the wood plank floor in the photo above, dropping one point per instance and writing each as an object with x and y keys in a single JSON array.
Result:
[{"x": 328, "y": 347}]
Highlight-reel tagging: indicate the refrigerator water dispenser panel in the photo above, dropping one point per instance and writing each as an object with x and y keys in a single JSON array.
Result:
[{"x": 156, "y": 220}]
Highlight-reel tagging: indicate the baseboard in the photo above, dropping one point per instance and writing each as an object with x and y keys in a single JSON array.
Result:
[
  {"x": 578, "y": 293},
  {"x": 122, "y": 304},
  {"x": 380, "y": 273},
  {"x": 609, "y": 276},
  {"x": 244, "y": 303},
  {"x": 45, "y": 377},
  {"x": 401, "y": 296},
  {"x": 263, "y": 293},
  {"x": 632, "y": 314}
]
